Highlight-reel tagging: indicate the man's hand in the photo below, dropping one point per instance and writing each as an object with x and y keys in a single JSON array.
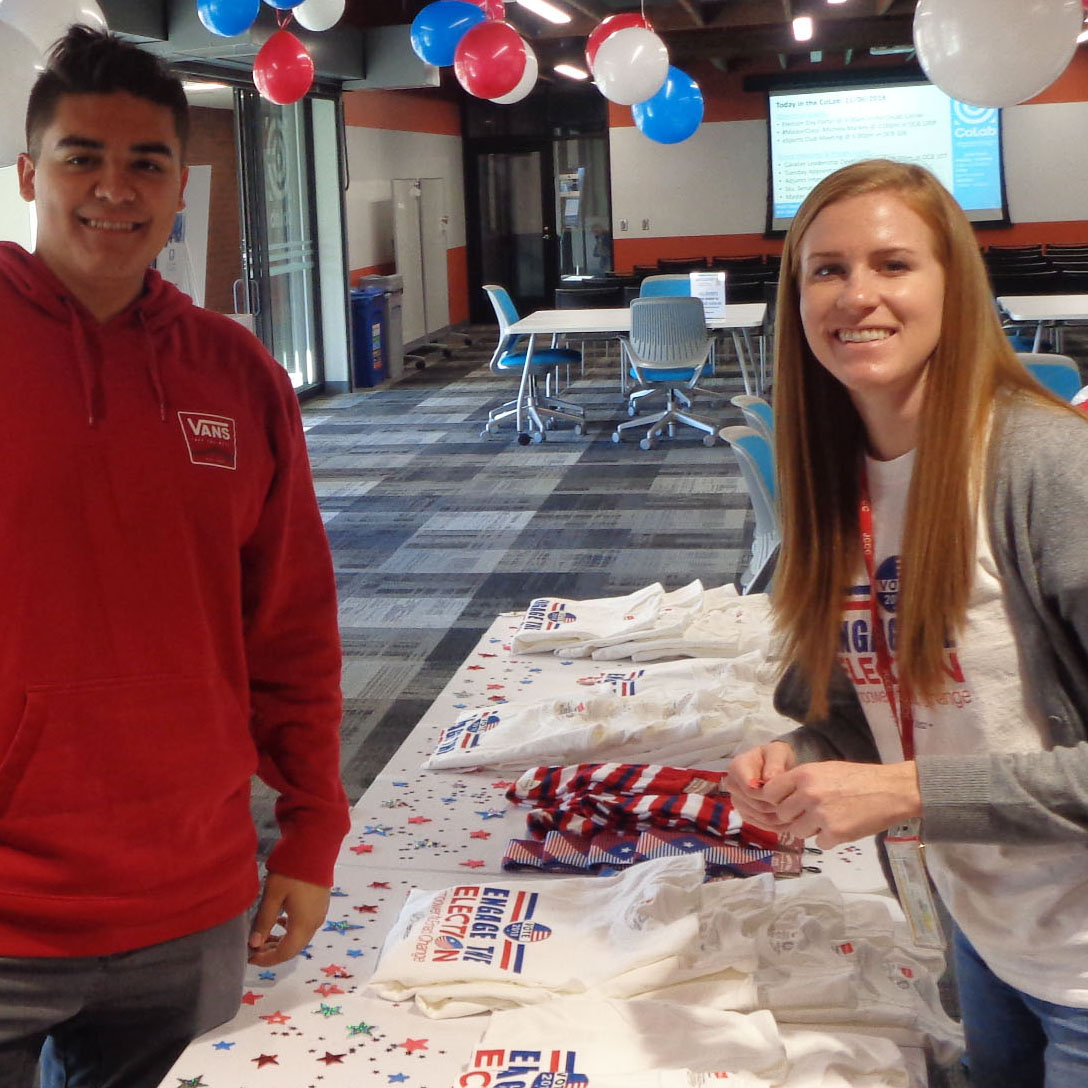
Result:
[
  {"x": 298, "y": 906},
  {"x": 841, "y": 802}
]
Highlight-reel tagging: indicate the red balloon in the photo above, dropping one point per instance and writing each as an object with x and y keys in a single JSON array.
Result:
[
  {"x": 490, "y": 59},
  {"x": 283, "y": 71},
  {"x": 607, "y": 27},
  {"x": 496, "y": 9}
]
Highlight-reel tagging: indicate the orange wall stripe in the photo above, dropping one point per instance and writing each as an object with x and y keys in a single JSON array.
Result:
[{"x": 404, "y": 111}]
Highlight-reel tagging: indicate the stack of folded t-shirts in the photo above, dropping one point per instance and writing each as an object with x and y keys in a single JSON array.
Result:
[
  {"x": 644, "y": 811},
  {"x": 679, "y": 712},
  {"x": 608, "y": 1043}
]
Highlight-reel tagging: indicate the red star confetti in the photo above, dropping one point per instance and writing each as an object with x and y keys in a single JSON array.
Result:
[
  {"x": 250, "y": 998},
  {"x": 332, "y": 1059},
  {"x": 414, "y": 1044},
  {"x": 362, "y": 848},
  {"x": 379, "y": 884},
  {"x": 475, "y": 668},
  {"x": 335, "y": 970},
  {"x": 265, "y": 1059},
  {"x": 366, "y": 908},
  {"x": 488, "y": 655},
  {"x": 480, "y": 835},
  {"x": 495, "y": 687},
  {"x": 276, "y": 1017},
  {"x": 327, "y": 988},
  {"x": 419, "y": 820},
  {"x": 472, "y": 863},
  {"x": 500, "y": 785}
]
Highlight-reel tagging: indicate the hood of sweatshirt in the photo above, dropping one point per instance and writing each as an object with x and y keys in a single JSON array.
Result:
[{"x": 155, "y": 311}]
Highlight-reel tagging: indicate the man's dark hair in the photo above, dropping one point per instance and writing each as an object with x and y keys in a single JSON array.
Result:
[{"x": 90, "y": 61}]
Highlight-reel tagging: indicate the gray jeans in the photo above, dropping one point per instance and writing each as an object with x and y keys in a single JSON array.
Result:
[{"x": 117, "y": 1021}]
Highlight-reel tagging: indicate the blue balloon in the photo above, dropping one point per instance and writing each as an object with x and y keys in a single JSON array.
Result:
[
  {"x": 283, "y": 5},
  {"x": 228, "y": 17},
  {"x": 438, "y": 28},
  {"x": 674, "y": 113}
]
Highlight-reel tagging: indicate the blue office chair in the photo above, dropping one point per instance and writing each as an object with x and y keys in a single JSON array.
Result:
[
  {"x": 667, "y": 348},
  {"x": 757, "y": 414},
  {"x": 1059, "y": 373},
  {"x": 670, "y": 284},
  {"x": 755, "y": 456},
  {"x": 535, "y": 411}
]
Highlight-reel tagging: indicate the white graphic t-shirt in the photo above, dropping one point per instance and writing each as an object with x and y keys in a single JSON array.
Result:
[{"x": 1025, "y": 908}]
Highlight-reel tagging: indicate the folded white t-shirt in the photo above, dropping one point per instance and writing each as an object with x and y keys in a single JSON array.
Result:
[{"x": 550, "y": 623}]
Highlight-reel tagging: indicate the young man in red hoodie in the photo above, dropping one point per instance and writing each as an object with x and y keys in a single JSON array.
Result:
[{"x": 169, "y": 606}]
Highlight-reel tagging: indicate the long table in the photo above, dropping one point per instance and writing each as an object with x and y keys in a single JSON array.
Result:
[
  {"x": 1045, "y": 311},
  {"x": 739, "y": 320},
  {"x": 310, "y": 1023}
]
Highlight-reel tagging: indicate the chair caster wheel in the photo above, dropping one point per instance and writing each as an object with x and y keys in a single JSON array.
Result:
[
  {"x": 647, "y": 444},
  {"x": 523, "y": 440},
  {"x": 579, "y": 429},
  {"x": 632, "y": 410},
  {"x": 710, "y": 440},
  {"x": 617, "y": 437},
  {"x": 536, "y": 437}
]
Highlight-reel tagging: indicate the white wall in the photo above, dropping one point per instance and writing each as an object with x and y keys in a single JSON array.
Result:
[
  {"x": 716, "y": 182},
  {"x": 375, "y": 158},
  {"x": 16, "y": 215}
]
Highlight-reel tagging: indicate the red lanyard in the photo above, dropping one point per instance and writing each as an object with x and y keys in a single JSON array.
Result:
[{"x": 898, "y": 698}]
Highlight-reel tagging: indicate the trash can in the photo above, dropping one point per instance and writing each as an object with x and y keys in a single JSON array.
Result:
[
  {"x": 368, "y": 334},
  {"x": 393, "y": 286}
]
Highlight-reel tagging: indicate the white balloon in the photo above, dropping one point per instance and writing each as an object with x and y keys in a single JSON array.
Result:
[
  {"x": 21, "y": 56},
  {"x": 44, "y": 21},
  {"x": 525, "y": 84},
  {"x": 631, "y": 65},
  {"x": 995, "y": 52},
  {"x": 318, "y": 14}
]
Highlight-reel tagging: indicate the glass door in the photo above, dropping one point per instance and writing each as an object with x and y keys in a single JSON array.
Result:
[
  {"x": 516, "y": 237},
  {"x": 279, "y": 232}
]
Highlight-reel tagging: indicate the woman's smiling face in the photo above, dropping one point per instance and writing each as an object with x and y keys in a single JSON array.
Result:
[{"x": 872, "y": 297}]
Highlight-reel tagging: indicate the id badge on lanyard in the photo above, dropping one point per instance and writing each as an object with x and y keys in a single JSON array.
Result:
[{"x": 904, "y": 841}]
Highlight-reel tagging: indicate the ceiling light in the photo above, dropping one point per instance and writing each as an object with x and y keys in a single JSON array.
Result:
[
  {"x": 191, "y": 86},
  {"x": 570, "y": 71},
  {"x": 545, "y": 10},
  {"x": 802, "y": 28},
  {"x": 836, "y": 1}
]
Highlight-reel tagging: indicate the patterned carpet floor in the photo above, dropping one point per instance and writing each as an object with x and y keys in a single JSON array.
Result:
[{"x": 435, "y": 529}]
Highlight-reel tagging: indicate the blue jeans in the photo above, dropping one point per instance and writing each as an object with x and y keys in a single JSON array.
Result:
[{"x": 1014, "y": 1040}]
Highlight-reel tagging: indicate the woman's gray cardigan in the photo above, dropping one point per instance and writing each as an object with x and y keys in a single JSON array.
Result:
[{"x": 1037, "y": 512}]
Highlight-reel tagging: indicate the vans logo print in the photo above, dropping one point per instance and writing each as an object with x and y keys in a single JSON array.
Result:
[{"x": 211, "y": 440}]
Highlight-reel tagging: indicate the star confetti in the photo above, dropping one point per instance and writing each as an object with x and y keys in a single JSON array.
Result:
[
  {"x": 474, "y": 835},
  {"x": 265, "y": 1059},
  {"x": 501, "y": 785},
  {"x": 332, "y": 1059},
  {"x": 267, "y": 976},
  {"x": 475, "y": 668},
  {"x": 337, "y": 891},
  {"x": 397, "y": 1078},
  {"x": 379, "y": 884},
  {"x": 377, "y": 829},
  {"x": 471, "y": 863},
  {"x": 327, "y": 988},
  {"x": 250, "y": 998},
  {"x": 222, "y": 1045},
  {"x": 329, "y": 1010},
  {"x": 362, "y": 848},
  {"x": 335, "y": 970},
  {"x": 361, "y": 1028},
  {"x": 339, "y": 927},
  {"x": 366, "y": 908},
  {"x": 490, "y": 814},
  {"x": 412, "y": 1045},
  {"x": 355, "y": 952},
  {"x": 192, "y": 1082},
  {"x": 276, "y": 1017},
  {"x": 420, "y": 820}
]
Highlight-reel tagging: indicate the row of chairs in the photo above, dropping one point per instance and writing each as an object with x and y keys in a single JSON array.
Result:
[{"x": 767, "y": 262}]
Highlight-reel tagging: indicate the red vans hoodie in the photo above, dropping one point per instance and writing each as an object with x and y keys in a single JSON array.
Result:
[{"x": 168, "y": 622}]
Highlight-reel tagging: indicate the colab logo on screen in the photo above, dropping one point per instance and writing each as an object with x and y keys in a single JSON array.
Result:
[
  {"x": 974, "y": 120},
  {"x": 520, "y": 1068},
  {"x": 210, "y": 439}
]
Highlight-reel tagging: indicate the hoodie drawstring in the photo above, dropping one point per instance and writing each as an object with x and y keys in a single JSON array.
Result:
[
  {"x": 154, "y": 371},
  {"x": 83, "y": 362}
]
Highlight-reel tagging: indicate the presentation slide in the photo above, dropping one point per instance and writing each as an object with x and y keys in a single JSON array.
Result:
[{"x": 813, "y": 133}]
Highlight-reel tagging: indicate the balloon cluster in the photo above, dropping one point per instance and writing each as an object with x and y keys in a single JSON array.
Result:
[
  {"x": 995, "y": 52},
  {"x": 283, "y": 70},
  {"x": 490, "y": 58},
  {"x": 28, "y": 28},
  {"x": 631, "y": 67}
]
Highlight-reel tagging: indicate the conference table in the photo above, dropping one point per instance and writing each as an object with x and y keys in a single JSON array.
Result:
[
  {"x": 1045, "y": 311},
  {"x": 737, "y": 319}
]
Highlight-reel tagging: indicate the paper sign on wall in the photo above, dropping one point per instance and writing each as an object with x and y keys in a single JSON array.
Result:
[{"x": 709, "y": 289}]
